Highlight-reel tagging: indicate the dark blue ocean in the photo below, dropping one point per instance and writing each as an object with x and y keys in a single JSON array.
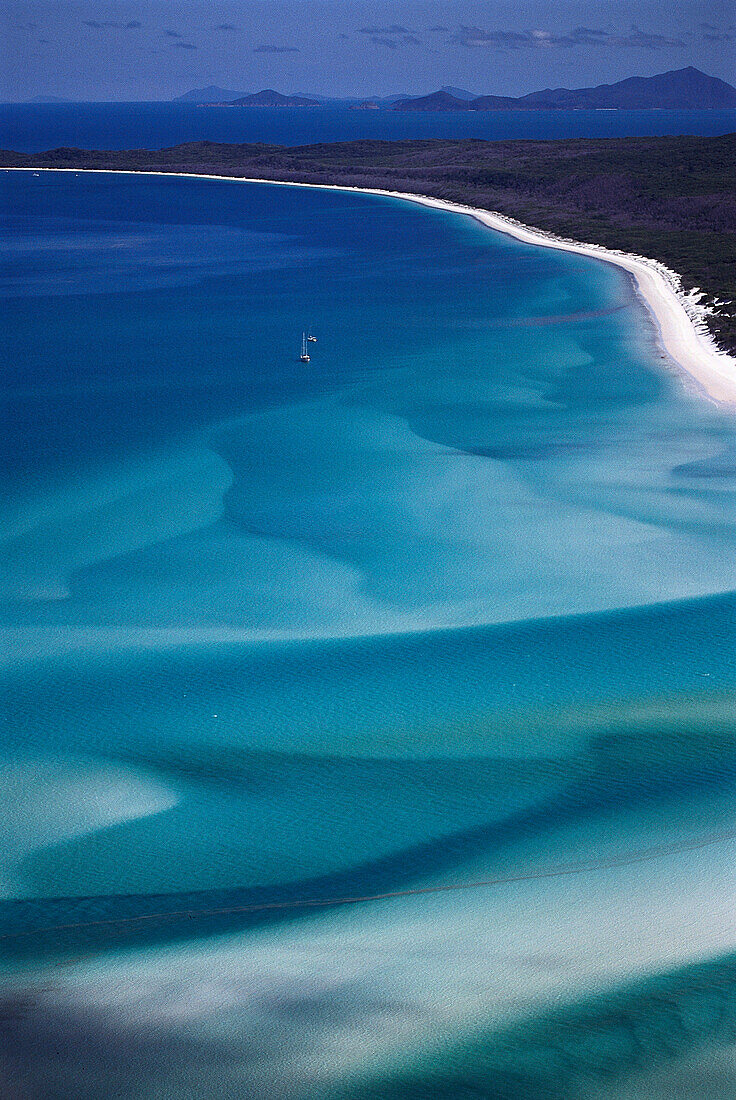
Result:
[
  {"x": 35, "y": 127},
  {"x": 368, "y": 724}
]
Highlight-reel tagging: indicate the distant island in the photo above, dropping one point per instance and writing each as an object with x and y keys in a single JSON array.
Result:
[
  {"x": 670, "y": 198},
  {"x": 458, "y": 93},
  {"x": 269, "y": 98},
  {"x": 210, "y": 94},
  {"x": 681, "y": 89}
]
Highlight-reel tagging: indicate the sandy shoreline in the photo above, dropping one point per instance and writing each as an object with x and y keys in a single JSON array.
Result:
[{"x": 679, "y": 317}]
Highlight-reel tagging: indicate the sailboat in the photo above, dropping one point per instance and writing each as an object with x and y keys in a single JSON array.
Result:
[
  {"x": 305, "y": 354},
  {"x": 311, "y": 337}
]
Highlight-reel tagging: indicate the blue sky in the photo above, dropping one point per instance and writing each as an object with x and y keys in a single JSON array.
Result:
[{"x": 156, "y": 49}]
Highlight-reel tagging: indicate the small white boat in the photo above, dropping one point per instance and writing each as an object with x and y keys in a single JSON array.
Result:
[
  {"x": 311, "y": 338},
  {"x": 305, "y": 354}
]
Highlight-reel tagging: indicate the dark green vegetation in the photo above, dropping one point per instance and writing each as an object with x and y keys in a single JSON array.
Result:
[{"x": 671, "y": 198}]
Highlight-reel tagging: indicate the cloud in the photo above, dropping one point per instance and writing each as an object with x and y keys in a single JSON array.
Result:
[
  {"x": 642, "y": 40},
  {"x": 132, "y": 24},
  {"x": 712, "y": 33},
  {"x": 183, "y": 45},
  {"x": 580, "y": 36},
  {"x": 172, "y": 34},
  {"x": 276, "y": 49},
  {"x": 474, "y": 37},
  {"x": 589, "y": 34},
  {"x": 226, "y": 27},
  {"x": 438, "y": 29},
  {"x": 395, "y": 28},
  {"x": 392, "y": 36}
]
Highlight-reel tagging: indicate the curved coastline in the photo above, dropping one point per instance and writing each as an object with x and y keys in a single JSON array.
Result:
[{"x": 679, "y": 317}]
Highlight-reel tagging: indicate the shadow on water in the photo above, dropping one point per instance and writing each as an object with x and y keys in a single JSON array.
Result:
[
  {"x": 589, "y": 1048},
  {"x": 562, "y": 1053},
  {"x": 596, "y": 782}
]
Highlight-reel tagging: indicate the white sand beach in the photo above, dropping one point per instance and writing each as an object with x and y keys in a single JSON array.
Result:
[{"x": 679, "y": 316}]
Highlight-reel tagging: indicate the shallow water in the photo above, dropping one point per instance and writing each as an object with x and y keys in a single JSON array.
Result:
[{"x": 453, "y": 604}]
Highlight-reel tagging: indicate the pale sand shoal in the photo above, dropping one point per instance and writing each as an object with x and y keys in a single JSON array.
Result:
[{"x": 678, "y": 316}]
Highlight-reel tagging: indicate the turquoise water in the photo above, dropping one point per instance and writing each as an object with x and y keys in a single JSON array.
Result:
[{"x": 451, "y": 604}]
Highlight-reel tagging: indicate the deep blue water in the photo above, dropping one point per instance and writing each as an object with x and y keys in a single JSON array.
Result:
[
  {"x": 36, "y": 127},
  {"x": 454, "y": 602}
]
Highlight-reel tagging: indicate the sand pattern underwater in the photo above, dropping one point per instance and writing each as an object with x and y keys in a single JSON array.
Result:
[{"x": 446, "y": 615}]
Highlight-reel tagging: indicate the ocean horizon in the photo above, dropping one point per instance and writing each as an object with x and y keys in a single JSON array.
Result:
[{"x": 36, "y": 127}]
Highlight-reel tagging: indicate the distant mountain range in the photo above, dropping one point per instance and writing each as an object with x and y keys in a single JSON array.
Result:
[
  {"x": 266, "y": 98},
  {"x": 458, "y": 93},
  {"x": 210, "y": 94},
  {"x": 681, "y": 89},
  {"x": 269, "y": 98},
  {"x": 389, "y": 100},
  {"x": 213, "y": 94}
]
